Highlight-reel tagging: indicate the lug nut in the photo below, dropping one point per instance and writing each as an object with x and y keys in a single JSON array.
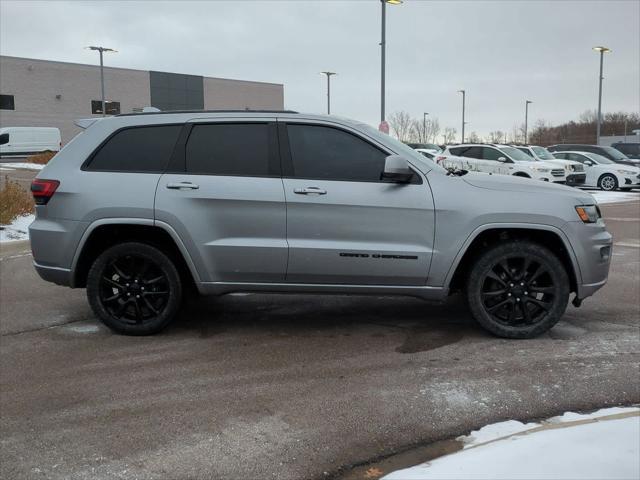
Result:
[
  {"x": 511, "y": 285},
  {"x": 141, "y": 288},
  {"x": 517, "y": 299},
  {"x": 137, "y": 296},
  {"x": 128, "y": 294},
  {"x": 526, "y": 293},
  {"x": 521, "y": 284},
  {"x": 508, "y": 294}
]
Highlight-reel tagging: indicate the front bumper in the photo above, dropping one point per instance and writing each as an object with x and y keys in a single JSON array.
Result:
[
  {"x": 592, "y": 245},
  {"x": 630, "y": 181},
  {"x": 576, "y": 179}
]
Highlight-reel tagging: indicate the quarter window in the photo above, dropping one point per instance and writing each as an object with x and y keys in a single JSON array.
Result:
[
  {"x": 7, "y": 102},
  {"x": 229, "y": 149},
  {"x": 327, "y": 153},
  {"x": 472, "y": 152},
  {"x": 112, "y": 108},
  {"x": 139, "y": 149}
]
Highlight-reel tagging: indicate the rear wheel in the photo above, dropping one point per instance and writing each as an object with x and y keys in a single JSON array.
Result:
[
  {"x": 134, "y": 289},
  {"x": 608, "y": 182},
  {"x": 518, "y": 290}
]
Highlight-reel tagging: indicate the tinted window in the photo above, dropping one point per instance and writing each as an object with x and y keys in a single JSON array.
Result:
[
  {"x": 491, "y": 153},
  {"x": 472, "y": 152},
  {"x": 7, "y": 102},
  {"x": 229, "y": 149},
  {"x": 457, "y": 151},
  {"x": 331, "y": 154},
  {"x": 4, "y": 139},
  {"x": 143, "y": 149}
]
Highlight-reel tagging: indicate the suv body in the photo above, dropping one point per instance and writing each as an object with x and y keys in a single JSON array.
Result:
[
  {"x": 604, "y": 173},
  {"x": 575, "y": 170},
  {"x": 630, "y": 149},
  {"x": 501, "y": 160},
  {"x": 285, "y": 202},
  {"x": 607, "y": 152}
]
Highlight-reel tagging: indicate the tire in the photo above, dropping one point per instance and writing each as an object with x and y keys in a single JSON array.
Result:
[
  {"x": 608, "y": 182},
  {"x": 134, "y": 288},
  {"x": 518, "y": 289}
]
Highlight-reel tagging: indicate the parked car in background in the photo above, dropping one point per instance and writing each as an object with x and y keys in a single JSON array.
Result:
[
  {"x": 501, "y": 160},
  {"x": 141, "y": 206},
  {"x": 631, "y": 150},
  {"x": 431, "y": 147},
  {"x": 430, "y": 154},
  {"x": 22, "y": 141},
  {"x": 604, "y": 173},
  {"x": 575, "y": 170},
  {"x": 608, "y": 152}
]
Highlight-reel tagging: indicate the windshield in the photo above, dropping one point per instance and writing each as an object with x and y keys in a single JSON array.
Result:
[
  {"x": 616, "y": 154},
  {"x": 599, "y": 158},
  {"x": 543, "y": 153},
  {"x": 515, "y": 154},
  {"x": 400, "y": 147}
]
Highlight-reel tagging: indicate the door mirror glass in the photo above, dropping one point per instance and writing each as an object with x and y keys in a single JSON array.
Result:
[
  {"x": 396, "y": 169},
  {"x": 4, "y": 139},
  {"x": 588, "y": 163}
]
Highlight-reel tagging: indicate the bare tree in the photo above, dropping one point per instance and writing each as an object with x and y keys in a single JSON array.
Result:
[
  {"x": 473, "y": 137},
  {"x": 449, "y": 135},
  {"x": 400, "y": 123},
  {"x": 433, "y": 130},
  {"x": 497, "y": 136}
]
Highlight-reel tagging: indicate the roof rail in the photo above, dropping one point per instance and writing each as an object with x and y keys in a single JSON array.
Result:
[{"x": 159, "y": 112}]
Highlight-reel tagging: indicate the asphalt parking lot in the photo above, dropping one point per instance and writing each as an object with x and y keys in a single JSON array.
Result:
[{"x": 256, "y": 386}]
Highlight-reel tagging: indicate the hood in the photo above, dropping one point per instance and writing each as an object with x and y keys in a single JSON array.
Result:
[{"x": 509, "y": 183}]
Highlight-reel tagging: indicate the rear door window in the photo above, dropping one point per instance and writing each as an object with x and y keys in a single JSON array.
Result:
[
  {"x": 136, "y": 149},
  {"x": 472, "y": 152},
  {"x": 232, "y": 149},
  {"x": 489, "y": 153}
]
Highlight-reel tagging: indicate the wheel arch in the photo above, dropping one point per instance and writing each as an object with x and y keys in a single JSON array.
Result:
[
  {"x": 487, "y": 235},
  {"x": 105, "y": 233}
]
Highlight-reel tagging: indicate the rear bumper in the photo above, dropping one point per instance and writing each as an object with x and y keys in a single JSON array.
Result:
[{"x": 57, "y": 275}]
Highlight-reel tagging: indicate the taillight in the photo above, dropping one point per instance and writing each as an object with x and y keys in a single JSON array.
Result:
[{"x": 43, "y": 190}]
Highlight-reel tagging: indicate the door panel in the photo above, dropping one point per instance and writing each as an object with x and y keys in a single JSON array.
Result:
[
  {"x": 359, "y": 232},
  {"x": 226, "y": 200}
]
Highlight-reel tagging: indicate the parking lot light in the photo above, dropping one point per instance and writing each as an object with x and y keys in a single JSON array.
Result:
[
  {"x": 101, "y": 50},
  {"x": 328, "y": 74},
  {"x": 602, "y": 51},
  {"x": 463, "y": 122},
  {"x": 526, "y": 119},
  {"x": 383, "y": 43}
]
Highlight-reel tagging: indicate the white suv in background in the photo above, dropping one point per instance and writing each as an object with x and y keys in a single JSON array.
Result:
[
  {"x": 501, "y": 160},
  {"x": 575, "y": 170}
]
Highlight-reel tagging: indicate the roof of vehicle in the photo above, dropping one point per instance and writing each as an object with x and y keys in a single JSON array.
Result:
[{"x": 170, "y": 112}]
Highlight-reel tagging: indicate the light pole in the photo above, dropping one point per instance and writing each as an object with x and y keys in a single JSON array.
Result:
[
  {"x": 328, "y": 74},
  {"x": 101, "y": 50},
  {"x": 424, "y": 126},
  {"x": 602, "y": 51},
  {"x": 383, "y": 44},
  {"x": 526, "y": 119},
  {"x": 463, "y": 104}
]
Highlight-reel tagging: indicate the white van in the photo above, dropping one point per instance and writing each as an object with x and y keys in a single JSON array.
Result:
[{"x": 20, "y": 141}]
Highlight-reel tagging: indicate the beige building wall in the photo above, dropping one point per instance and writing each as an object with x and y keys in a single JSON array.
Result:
[
  {"x": 221, "y": 93},
  {"x": 35, "y": 85}
]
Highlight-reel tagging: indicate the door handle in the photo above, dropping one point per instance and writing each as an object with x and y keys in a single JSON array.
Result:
[
  {"x": 183, "y": 185},
  {"x": 310, "y": 190}
]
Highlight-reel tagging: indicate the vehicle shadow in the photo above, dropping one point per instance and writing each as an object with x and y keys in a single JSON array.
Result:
[{"x": 421, "y": 325}]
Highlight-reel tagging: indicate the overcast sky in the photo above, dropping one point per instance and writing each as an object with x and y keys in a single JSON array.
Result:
[{"x": 500, "y": 52}]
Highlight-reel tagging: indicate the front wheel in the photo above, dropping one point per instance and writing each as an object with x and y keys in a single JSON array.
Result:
[
  {"x": 518, "y": 290},
  {"x": 608, "y": 182},
  {"x": 134, "y": 289}
]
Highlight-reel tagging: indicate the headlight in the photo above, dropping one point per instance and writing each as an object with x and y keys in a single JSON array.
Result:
[
  {"x": 588, "y": 213},
  {"x": 625, "y": 172}
]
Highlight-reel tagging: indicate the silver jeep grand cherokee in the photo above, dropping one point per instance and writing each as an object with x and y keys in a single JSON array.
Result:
[{"x": 138, "y": 207}]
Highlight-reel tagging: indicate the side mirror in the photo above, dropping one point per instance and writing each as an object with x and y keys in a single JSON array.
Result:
[
  {"x": 502, "y": 159},
  {"x": 396, "y": 169},
  {"x": 588, "y": 163}
]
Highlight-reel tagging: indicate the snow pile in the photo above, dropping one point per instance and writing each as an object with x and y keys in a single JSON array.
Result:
[
  {"x": 615, "y": 197},
  {"x": 23, "y": 165},
  {"x": 601, "y": 445},
  {"x": 17, "y": 230}
]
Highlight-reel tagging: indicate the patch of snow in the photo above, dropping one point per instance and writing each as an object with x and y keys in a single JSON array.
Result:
[
  {"x": 605, "y": 448},
  {"x": 17, "y": 230},
  {"x": 615, "y": 197},
  {"x": 24, "y": 165}
]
